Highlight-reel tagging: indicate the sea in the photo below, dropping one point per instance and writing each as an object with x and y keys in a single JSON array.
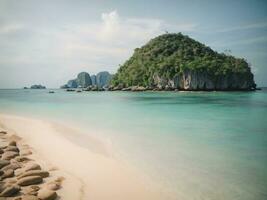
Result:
[{"x": 194, "y": 145}]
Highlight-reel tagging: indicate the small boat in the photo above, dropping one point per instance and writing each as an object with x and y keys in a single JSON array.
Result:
[
  {"x": 51, "y": 91},
  {"x": 78, "y": 90}
]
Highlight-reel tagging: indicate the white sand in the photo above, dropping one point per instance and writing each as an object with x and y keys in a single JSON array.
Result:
[{"x": 89, "y": 174}]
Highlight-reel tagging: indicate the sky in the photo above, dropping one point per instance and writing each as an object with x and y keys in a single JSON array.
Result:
[{"x": 49, "y": 42}]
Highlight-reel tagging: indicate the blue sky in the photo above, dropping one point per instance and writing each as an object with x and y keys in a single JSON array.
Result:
[{"x": 49, "y": 42}]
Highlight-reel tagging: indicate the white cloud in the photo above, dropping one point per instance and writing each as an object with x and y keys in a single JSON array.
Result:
[{"x": 69, "y": 48}]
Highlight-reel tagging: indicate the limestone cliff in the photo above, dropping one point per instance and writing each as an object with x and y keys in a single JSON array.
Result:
[
  {"x": 199, "y": 80},
  {"x": 103, "y": 79},
  {"x": 84, "y": 79}
]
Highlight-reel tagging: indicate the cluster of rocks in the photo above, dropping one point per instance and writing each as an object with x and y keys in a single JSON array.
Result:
[
  {"x": 132, "y": 88},
  {"x": 94, "y": 88},
  {"x": 21, "y": 178},
  {"x": 141, "y": 88},
  {"x": 89, "y": 88},
  {"x": 89, "y": 83}
]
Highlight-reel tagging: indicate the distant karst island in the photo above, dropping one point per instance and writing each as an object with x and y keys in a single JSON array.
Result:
[
  {"x": 173, "y": 61},
  {"x": 39, "y": 86},
  {"x": 98, "y": 82}
]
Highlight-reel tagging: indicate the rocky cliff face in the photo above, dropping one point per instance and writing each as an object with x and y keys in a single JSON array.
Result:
[
  {"x": 197, "y": 80},
  {"x": 72, "y": 84},
  {"x": 84, "y": 79},
  {"x": 103, "y": 79}
]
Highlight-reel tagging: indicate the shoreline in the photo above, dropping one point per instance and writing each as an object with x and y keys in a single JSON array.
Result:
[
  {"x": 157, "y": 90},
  {"x": 88, "y": 174},
  {"x": 24, "y": 175}
]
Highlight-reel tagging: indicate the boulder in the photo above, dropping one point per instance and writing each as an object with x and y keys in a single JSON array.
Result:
[
  {"x": 46, "y": 194},
  {"x": 32, "y": 190},
  {"x": 3, "y": 132},
  {"x": 13, "y": 166},
  {"x": 40, "y": 173},
  {"x": 3, "y": 136},
  {"x": 4, "y": 163},
  {"x": 34, "y": 187},
  {"x": 11, "y": 181},
  {"x": 10, "y": 191},
  {"x": 7, "y": 155},
  {"x": 25, "y": 152},
  {"x": 12, "y": 143},
  {"x": 127, "y": 89},
  {"x": 53, "y": 186},
  {"x": 22, "y": 159},
  {"x": 138, "y": 88},
  {"x": 32, "y": 166},
  {"x": 8, "y": 173},
  {"x": 88, "y": 88},
  {"x": 19, "y": 171},
  {"x": 29, "y": 180},
  {"x": 3, "y": 146},
  {"x": 116, "y": 88},
  {"x": 12, "y": 148},
  {"x": 2, "y": 186}
]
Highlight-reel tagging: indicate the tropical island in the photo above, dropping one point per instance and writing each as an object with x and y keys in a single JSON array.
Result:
[{"x": 178, "y": 62}]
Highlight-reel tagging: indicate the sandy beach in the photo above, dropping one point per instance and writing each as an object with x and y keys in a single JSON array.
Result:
[{"x": 88, "y": 174}]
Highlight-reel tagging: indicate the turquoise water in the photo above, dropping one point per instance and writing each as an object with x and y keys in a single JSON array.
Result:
[{"x": 200, "y": 145}]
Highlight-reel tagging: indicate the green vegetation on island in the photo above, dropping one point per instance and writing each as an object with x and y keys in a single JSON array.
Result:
[{"x": 176, "y": 61}]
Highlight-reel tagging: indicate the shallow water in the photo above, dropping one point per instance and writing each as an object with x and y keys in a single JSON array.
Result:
[{"x": 197, "y": 145}]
